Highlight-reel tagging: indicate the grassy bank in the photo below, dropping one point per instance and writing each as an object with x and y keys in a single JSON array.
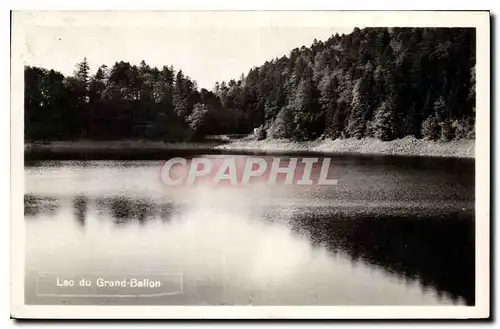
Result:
[
  {"x": 126, "y": 145},
  {"x": 113, "y": 150},
  {"x": 131, "y": 150},
  {"x": 408, "y": 146}
]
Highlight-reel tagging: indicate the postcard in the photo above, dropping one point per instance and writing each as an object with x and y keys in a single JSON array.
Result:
[{"x": 250, "y": 164}]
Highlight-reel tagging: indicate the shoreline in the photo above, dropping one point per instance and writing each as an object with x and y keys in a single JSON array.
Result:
[
  {"x": 408, "y": 146},
  {"x": 145, "y": 150}
]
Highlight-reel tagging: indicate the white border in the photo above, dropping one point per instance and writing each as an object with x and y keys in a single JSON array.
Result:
[{"x": 480, "y": 20}]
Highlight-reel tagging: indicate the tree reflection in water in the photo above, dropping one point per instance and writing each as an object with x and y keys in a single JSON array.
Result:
[
  {"x": 35, "y": 205},
  {"x": 80, "y": 209},
  {"x": 125, "y": 210},
  {"x": 437, "y": 251}
]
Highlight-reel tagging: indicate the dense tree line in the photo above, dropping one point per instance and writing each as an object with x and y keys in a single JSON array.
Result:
[
  {"x": 373, "y": 82},
  {"x": 125, "y": 101}
]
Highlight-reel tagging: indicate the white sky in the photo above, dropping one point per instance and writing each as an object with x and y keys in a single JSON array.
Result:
[{"x": 206, "y": 52}]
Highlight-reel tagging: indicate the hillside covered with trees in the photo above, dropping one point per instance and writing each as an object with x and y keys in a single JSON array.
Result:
[{"x": 374, "y": 82}]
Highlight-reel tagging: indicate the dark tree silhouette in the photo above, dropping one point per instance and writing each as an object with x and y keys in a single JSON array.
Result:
[{"x": 386, "y": 83}]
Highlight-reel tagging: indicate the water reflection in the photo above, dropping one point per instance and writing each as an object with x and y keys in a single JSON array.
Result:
[
  {"x": 438, "y": 252},
  {"x": 80, "y": 209},
  {"x": 387, "y": 234},
  {"x": 35, "y": 205},
  {"x": 124, "y": 209}
]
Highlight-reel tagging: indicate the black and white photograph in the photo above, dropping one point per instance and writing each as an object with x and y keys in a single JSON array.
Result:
[{"x": 264, "y": 164}]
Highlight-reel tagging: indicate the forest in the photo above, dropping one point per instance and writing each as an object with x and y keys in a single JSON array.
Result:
[{"x": 385, "y": 83}]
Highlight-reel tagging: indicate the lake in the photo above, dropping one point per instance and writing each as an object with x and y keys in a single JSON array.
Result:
[{"x": 393, "y": 231}]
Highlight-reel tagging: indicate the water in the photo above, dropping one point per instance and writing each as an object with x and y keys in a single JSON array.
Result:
[{"x": 393, "y": 231}]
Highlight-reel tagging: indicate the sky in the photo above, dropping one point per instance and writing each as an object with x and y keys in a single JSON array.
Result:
[{"x": 207, "y": 52}]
